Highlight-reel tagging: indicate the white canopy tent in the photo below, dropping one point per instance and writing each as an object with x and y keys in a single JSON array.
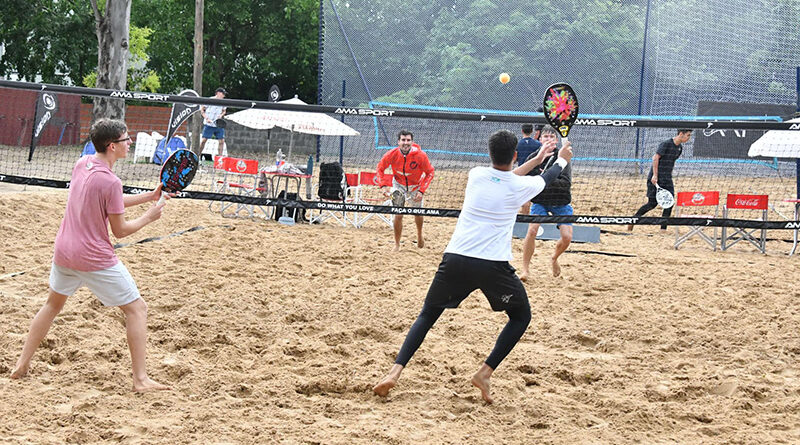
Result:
[
  {"x": 779, "y": 144},
  {"x": 294, "y": 121}
]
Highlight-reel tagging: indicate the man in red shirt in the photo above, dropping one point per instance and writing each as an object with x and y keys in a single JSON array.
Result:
[{"x": 412, "y": 174}]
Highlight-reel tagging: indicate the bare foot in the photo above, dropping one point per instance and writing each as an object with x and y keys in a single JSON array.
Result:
[
  {"x": 149, "y": 385},
  {"x": 556, "y": 268},
  {"x": 19, "y": 372},
  {"x": 397, "y": 247},
  {"x": 382, "y": 389},
  {"x": 482, "y": 382},
  {"x": 524, "y": 276},
  {"x": 420, "y": 243},
  {"x": 630, "y": 227},
  {"x": 388, "y": 382}
]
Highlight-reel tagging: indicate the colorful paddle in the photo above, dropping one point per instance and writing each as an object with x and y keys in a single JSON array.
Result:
[
  {"x": 177, "y": 172},
  {"x": 560, "y": 107}
]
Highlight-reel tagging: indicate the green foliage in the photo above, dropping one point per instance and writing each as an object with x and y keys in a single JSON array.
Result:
[
  {"x": 446, "y": 52},
  {"x": 140, "y": 78},
  {"x": 249, "y": 45},
  {"x": 53, "y": 39},
  {"x": 170, "y": 47},
  {"x": 462, "y": 46}
]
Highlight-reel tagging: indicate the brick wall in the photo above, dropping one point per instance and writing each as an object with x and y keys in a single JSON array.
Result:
[
  {"x": 242, "y": 138},
  {"x": 17, "y": 109},
  {"x": 138, "y": 118}
]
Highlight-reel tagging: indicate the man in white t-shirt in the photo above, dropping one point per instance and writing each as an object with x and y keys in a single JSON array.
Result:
[
  {"x": 211, "y": 128},
  {"x": 478, "y": 254}
]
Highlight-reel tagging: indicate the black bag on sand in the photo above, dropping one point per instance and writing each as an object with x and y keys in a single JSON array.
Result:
[
  {"x": 299, "y": 213},
  {"x": 330, "y": 181}
]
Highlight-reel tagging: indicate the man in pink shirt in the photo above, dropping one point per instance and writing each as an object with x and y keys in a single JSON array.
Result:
[{"x": 84, "y": 255}]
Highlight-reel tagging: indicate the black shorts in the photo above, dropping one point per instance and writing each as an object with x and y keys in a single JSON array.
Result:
[{"x": 459, "y": 275}]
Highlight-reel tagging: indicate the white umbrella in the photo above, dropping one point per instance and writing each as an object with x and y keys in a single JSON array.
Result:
[
  {"x": 252, "y": 118},
  {"x": 779, "y": 144},
  {"x": 294, "y": 121}
]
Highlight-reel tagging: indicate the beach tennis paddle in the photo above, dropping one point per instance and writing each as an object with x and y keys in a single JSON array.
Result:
[
  {"x": 664, "y": 198},
  {"x": 398, "y": 198},
  {"x": 560, "y": 107},
  {"x": 177, "y": 172},
  {"x": 220, "y": 123}
]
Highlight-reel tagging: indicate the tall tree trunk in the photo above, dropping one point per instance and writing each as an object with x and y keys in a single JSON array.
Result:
[
  {"x": 113, "y": 31},
  {"x": 197, "y": 74}
]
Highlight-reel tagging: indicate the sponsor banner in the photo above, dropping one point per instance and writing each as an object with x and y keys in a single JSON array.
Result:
[
  {"x": 728, "y": 143},
  {"x": 448, "y": 213},
  {"x": 606, "y": 122},
  {"x": 364, "y": 112},
  {"x": 153, "y": 97},
  {"x": 180, "y": 113},
  {"x": 24, "y": 180},
  {"x": 753, "y": 202},
  {"x": 46, "y": 108},
  {"x": 698, "y": 124},
  {"x": 274, "y": 93}
]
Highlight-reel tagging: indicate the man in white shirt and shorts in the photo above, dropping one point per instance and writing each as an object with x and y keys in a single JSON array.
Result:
[
  {"x": 211, "y": 130},
  {"x": 478, "y": 254}
]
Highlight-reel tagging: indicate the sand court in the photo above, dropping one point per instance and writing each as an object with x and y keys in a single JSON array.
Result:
[{"x": 276, "y": 334}]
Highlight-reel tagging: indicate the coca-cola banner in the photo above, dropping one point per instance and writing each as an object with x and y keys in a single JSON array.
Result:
[
  {"x": 753, "y": 202},
  {"x": 180, "y": 113},
  {"x": 716, "y": 143}
]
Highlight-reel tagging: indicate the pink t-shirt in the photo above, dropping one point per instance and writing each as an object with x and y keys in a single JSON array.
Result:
[{"x": 82, "y": 242}]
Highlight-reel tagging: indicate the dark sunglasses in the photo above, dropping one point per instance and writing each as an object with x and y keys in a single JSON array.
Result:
[{"x": 123, "y": 140}]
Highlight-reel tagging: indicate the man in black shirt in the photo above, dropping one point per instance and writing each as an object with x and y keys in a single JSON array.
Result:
[
  {"x": 554, "y": 200},
  {"x": 661, "y": 172}
]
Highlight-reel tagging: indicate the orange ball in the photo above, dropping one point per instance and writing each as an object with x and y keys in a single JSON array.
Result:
[{"x": 504, "y": 78}]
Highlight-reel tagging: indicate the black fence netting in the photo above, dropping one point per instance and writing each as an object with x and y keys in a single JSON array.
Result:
[{"x": 263, "y": 155}]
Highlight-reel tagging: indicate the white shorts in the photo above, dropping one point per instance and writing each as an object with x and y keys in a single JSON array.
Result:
[
  {"x": 410, "y": 194},
  {"x": 113, "y": 286}
]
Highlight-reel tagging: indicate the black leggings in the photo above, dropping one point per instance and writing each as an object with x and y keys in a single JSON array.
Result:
[
  {"x": 651, "y": 204},
  {"x": 518, "y": 320}
]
